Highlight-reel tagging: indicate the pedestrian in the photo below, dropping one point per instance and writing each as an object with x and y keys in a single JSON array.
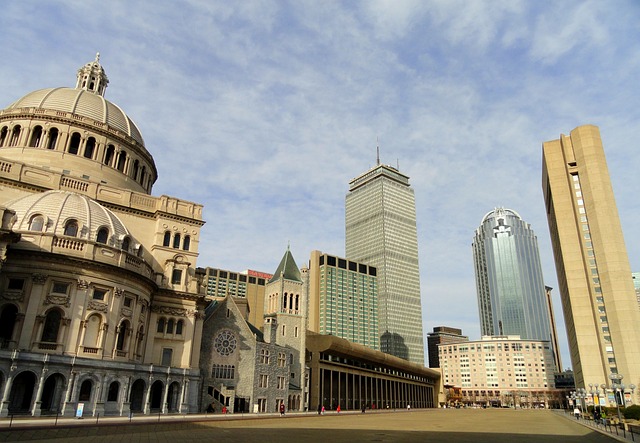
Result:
[
  {"x": 322, "y": 409},
  {"x": 281, "y": 409},
  {"x": 576, "y": 412},
  {"x": 224, "y": 409},
  {"x": 363, "y": 408},
  {"x": 338, "y": 409},
  {"x": 408, "y": 407}
]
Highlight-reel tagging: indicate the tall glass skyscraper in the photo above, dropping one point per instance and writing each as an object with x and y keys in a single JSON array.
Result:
[
  {"x": 381, "y": 231},
  {"x": 511, "y": 290}
]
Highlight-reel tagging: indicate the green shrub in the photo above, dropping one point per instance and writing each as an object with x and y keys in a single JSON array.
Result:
[{"x": 632, "y": 412}]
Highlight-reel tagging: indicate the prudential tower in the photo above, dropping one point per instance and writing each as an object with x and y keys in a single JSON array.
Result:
[{"x": 381, "y": 231}]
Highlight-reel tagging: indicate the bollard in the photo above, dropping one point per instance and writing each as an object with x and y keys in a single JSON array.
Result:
[
  {"x": 97, "y": 417},
  {"x": 130, "y": 416},
  {"x": 11, "y": 421},
  {"x": 56, "y": 422}
]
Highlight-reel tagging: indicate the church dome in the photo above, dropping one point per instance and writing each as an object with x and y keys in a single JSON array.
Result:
[
  {"x": 80, "y": 102},
  {"x": 59, "y": 207}
]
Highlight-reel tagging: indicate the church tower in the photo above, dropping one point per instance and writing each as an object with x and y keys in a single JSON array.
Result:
[{"x": 285, "y": 316}]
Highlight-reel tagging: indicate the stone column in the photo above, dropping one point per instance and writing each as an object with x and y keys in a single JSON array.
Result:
[
  {"x": 4, "y": 407},
  {"x": 35, "y": 409},
  {"x": 68, "y": 407}
]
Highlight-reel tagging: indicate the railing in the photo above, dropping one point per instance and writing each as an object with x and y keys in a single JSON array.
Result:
[
  {"x": 66, "y": 243},
  {"x": 48, "y": 346},
  {"x": 74, "y": 184},
  {"x": 88, "y": 350}
]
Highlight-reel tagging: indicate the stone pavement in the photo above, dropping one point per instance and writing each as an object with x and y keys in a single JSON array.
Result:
[{"x": 432, "y": 425}]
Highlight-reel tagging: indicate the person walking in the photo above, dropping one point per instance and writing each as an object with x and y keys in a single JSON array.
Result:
[
  {"x": 338, "y": 409},
  {"x": 576, "y": 412},
  {"x": 281, "y": 409},
  {"x": 322, "y": 409}
]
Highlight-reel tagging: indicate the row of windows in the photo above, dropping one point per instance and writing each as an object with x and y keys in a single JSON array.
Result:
[
  {"x": 223, "y": 371},
  {"x": 72, "y": 227},
  {"x": 166, "y": 326},
  {"x": 166, "y": 241},
  {"x": 75, "y": 146}
]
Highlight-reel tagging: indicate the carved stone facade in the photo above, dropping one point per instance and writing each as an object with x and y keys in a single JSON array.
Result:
[{"x": 96, "y": 264}]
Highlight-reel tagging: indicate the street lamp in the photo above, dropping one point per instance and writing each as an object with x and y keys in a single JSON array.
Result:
[
  {"x": 633, "y": 389},
  {"x": 617, "y": 386}
]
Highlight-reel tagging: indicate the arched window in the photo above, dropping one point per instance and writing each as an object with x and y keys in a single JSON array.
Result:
[
  {"x": 51, "y": 326},
  {"x": 176, "y": 241},
  {"x": 123, "y": 332},
  {"x": 160, "y": 325},
  {"x": 122, "y": 158},
  {"x": 71, "y": 228},
  {"x": 109, "y": 154},
  {"x": 36, "y": 223},
  {"x": 53, "y": 138},
  {"x": 140, "y": 340},
  {"x": 170, "y": 326},
  {"x": 166, "y": 241},
  {"x": 7, "y": 323},
  {"x": 114, "y": 389},
  {"x": 179, "y": 327},
  {"x": 125, "y": 244},
  {"x": 186, "y": 243},
  {"x": 142, "y": 175},
  {"x": 3, "y": 135},
  {"x": 136, "y": 168},
  {"x": 89, "y": 147},
  {"x": 15, "y": 135},
  {"x": 36, "y": 136},
  {"x": 102, "y": 236},
  {"x": 85, "y": 391},
  {"x": 74, "y": 143}
]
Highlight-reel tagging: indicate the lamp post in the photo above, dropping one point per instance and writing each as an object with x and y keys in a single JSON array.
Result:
[
  {"x": 633, "y": 389},
  {"x": 617, "y": 386}
]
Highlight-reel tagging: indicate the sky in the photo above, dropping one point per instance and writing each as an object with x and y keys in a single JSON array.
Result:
[{"x": 263, "y": 111}]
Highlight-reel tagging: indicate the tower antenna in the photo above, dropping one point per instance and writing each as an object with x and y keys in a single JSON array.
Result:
[{"x": 377, "y": 151}]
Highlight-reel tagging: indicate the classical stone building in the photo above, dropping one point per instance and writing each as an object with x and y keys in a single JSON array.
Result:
[{"x": 99, "y": 302}]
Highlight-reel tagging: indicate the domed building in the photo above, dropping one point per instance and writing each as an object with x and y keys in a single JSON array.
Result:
[{"x": 99, "y": 303}]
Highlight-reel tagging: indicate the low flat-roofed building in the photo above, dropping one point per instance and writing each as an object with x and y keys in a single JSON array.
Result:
[{"x": 355, "y": 376}]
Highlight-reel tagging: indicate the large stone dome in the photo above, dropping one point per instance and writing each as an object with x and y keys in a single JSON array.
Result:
[
  {"x": 58, "y": 207},
  {"x": 80, "y": 102}
]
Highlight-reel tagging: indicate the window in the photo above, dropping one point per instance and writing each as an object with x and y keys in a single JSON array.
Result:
[
  {"x": 223, "y": 371},
  {"x": 179, "y": 326},
  {"x": 15, "y": 135},
  {"x": 264, "y": 381},
  {"x": 281, "y": 382},
  {"x": 51, "y": 326},
  {"x": 53, "y": 138},
  {"x": 114, "y": 388},
  {"x": 282, "y": 359},
  {"x": 7, "y": 324},
  {"x": 109, "y": 154},
  {"x": 102, "y": 236},
  {"x": 170, "y": 326},
  {"x": 74, "y": 143},
  {"x": 125, "y": 244},
  {"x": 167, "y": 355},
  {"x": 186, "y": 243},
  {"x": 36, "y": 136},
  {"x": 264, "y": 356},
  {"x": 166, "y": 241},
  {"x": 99, "y": 294},
  {"x": 3, "y": 135},
  {"x": 122, "y": 158},
  {"x": 176, "y": 277},
  {"x": 89, "y": 147},
  {"x": 85, "y": 391},
  {"x": 15, "y": 284},
  {"x": 176, "y": 241},
  {"x": 160, "y": 325},
  {"x": 60, "y": 288},
  {"x": 71, "y": 228},
  {"x": 128, "y": 302},
  {"x": 123, "y": 333}
]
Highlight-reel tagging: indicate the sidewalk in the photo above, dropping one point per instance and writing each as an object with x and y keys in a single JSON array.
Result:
[{"x": 610, "y": 430}]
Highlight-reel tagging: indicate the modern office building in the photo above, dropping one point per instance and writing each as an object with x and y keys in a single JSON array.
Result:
[
  {"x": 343, "y": 299},
  {"x": 381, "y": 231},
  {"x": 500, "y": 370},
  {"x": 512, "y": 297},
  {"x": 636, "y": 284},
  {"x": 248, "y": 284},
  {"x": 442, "y": 335},
  {"x": 598, "y": 297}
]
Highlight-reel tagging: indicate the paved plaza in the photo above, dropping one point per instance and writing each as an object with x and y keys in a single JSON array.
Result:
[{"x": 436, "y": 425}]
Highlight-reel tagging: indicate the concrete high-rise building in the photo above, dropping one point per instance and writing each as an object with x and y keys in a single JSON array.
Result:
[
  {"x": 381, "y": 231},
  {"x": 511, "y": 291},
  {"x": 598, "y": 297},
  {"x": 343, "y": 299},
  {"x": 442, "y": 335}
]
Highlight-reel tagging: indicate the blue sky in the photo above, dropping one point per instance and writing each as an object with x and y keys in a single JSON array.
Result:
[{"x": 263, "y": 111}]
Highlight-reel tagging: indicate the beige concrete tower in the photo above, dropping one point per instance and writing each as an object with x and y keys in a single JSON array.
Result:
[{"x": 598, "y": 298}]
